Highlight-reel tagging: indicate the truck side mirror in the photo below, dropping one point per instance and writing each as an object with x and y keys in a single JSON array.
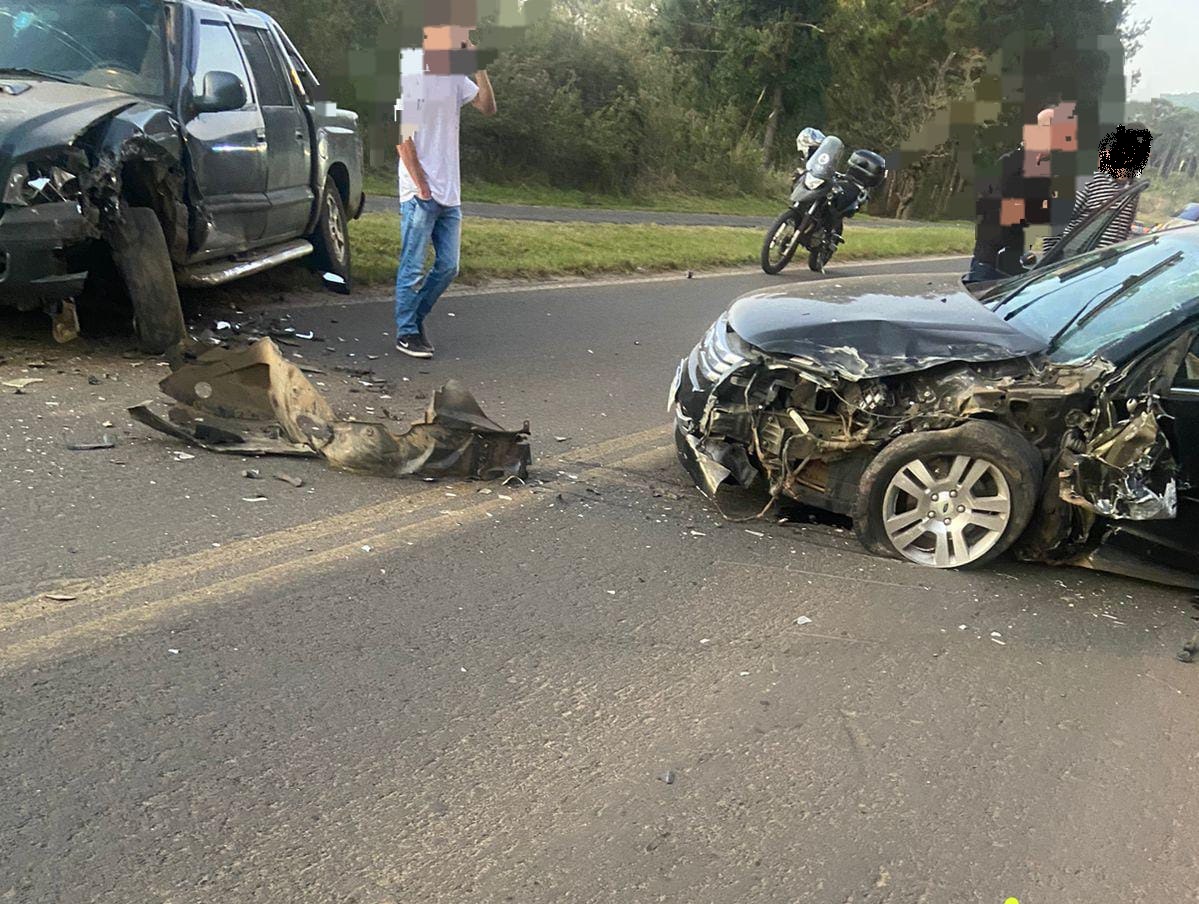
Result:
[{"x": 223, "y": 91}]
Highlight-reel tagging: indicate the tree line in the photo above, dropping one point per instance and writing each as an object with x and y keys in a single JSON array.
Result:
[{"x": 708, "y": 95}]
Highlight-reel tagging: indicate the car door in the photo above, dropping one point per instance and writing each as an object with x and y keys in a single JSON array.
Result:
[
  {"x": 227, "y": 148},
  {"x": 288, "y": 146},
  {"x": 1087, "y": 234}
]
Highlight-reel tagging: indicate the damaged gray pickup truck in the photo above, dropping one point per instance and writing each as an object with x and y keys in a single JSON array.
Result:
[
  {"x": 1058, "y": 415},
  {"x": 146, "y": 144}
]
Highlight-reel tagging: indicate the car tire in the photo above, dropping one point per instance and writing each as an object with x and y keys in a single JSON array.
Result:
[
  {"x": 140, "y": 253},
  {"x": 980, "y": 482},
  {"x": 331, "y": 240}
]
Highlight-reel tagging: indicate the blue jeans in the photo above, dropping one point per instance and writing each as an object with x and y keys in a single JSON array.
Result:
[{"x": 422, "y": 222}]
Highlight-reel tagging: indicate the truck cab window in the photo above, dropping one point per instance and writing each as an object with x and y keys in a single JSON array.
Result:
[
  {"x": 217, "y": 52},
  {"x": 268, "y": 75}
]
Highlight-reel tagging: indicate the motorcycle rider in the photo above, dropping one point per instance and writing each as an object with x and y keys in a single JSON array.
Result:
[{"x": 806, "y": 143}]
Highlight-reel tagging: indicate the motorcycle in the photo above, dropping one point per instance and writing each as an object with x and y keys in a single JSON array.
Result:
[{"x": 821, "y": 200}]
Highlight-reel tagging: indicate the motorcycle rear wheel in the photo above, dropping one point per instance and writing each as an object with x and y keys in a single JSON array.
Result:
[
  {"x": 780, "y": 244},
  {"x": 819, "y": 256}
]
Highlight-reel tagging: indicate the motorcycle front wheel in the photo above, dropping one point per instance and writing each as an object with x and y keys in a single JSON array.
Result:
[{"x": 781, "y": 243}]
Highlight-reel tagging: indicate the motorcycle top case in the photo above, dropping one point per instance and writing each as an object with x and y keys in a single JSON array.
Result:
[{"x": 867, "y": 168}]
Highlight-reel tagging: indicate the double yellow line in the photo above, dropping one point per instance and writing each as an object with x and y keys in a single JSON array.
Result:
[{"x": 34, "y": 629}]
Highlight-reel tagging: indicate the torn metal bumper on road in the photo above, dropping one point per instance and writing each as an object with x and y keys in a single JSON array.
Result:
[{"x": 253, "y": 401}]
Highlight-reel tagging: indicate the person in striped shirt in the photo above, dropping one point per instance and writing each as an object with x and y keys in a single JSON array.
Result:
[{"x": 1123, "y": 154}]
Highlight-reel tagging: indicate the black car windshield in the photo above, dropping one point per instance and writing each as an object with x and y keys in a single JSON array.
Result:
[
  {"x": 1105, "y": 302},
  {"x": 117, "y": 44}
]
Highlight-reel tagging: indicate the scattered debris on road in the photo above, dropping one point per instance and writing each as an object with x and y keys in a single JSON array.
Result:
[
  {"x": 803, "y": 620},
  {"x": 667, "y": 777},
  {"x": 252, "y": 474},
  {"x": 296, "y": 482},
  {"x": 104, "y": 442},
  {"x": 21, "y": 383},
  {"x": 252, "y": 401}
]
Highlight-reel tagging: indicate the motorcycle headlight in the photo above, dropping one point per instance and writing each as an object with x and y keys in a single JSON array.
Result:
[
  {"x": 40, "y": 182},
  {"x": 811, "y": 183}
]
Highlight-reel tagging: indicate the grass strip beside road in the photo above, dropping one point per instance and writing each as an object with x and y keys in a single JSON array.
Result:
[
  {"x": 511, "y": 249},
  {"x": 382, "y": 183}
]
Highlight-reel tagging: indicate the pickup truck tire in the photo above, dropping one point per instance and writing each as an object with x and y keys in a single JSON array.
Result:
[
  {"x": 332, "y": 238},
  {"x": 139, "y": 250}
]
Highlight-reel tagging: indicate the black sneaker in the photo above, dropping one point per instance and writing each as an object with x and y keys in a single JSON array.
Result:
[
  {"x": 424, "y": 337},
  {"x": 414, "y": 346}
]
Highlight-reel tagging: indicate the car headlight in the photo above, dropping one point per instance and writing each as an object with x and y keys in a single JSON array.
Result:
[
  {"x": 40, "y": 182},
  {"x": 811, "y": 183}
]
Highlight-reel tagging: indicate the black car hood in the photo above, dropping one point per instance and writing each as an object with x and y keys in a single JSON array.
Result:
[
  {"x": 877, "y": 335},
  {"x": 47, "y": 114}
]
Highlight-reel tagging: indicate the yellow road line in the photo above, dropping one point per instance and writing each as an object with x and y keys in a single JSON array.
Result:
[
  {"x": 600, "y": 451},
  {"x": 141, "y": 577},
  {"x": 152, "y": 573},
  {"x": 114, "y": 615},
  {"x": 128, "y": 618}
]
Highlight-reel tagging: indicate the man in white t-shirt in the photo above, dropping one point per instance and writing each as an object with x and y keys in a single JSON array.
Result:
[{"x": 434, "y": 88}]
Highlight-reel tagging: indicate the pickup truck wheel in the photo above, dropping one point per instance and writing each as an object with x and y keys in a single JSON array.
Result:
[
  {"x": 332, "y": 237},
  {"x": 139, "y": 250}
]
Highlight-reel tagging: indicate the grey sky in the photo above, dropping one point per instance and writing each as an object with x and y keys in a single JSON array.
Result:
[{"x": 1166, "y": 59}]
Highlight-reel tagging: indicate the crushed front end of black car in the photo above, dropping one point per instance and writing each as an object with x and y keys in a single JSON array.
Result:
[{"x": 804, "y": 417}]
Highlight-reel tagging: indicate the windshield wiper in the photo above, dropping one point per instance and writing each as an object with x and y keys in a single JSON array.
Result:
[
  {"x": 1106, "y": 259},
  {"x": 1087, "y": 313},
  {"x": 33, "y": 73}
]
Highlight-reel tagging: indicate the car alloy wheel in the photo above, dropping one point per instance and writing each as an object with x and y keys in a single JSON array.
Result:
[{"x": 946, "y": 511}]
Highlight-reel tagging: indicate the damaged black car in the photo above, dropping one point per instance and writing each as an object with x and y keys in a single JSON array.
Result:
[
  {"x": 148, "y": 144},
  {"x": 1057, "y": 417}
]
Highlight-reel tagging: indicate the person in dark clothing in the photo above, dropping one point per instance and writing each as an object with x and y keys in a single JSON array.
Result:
[
  {"x": 997, "y": 247},
  {"x": 1019, "y": 195}
]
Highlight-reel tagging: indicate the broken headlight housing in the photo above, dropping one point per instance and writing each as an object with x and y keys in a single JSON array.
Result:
[{"x": 41, "y": 182}]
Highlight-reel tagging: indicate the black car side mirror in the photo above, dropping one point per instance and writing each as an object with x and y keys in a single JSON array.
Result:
[
  {"x": 223, "y": 91},
  {"x": 1028, "y": 260}
]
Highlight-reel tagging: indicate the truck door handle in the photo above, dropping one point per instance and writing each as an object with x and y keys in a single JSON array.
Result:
[
  {"x": 260, "y": 136},
  {"x": 300, "y": 136}
]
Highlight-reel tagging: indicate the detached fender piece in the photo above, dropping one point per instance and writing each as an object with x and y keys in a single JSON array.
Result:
[{"x": 253, "y": 401}]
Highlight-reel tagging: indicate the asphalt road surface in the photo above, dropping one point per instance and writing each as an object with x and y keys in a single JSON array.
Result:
[
  {"x": 591, "y": 688},
  {"x": 382, "y": 204}
]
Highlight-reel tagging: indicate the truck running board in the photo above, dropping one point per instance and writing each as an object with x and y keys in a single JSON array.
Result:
[{"x": 220, "y": 272}]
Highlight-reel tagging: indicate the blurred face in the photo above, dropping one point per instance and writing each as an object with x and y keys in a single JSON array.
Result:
[
  {"x": 1056, "y": 129},
  {"x": 447, "y": 43},
  {"x": 449, "y": 50}
]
